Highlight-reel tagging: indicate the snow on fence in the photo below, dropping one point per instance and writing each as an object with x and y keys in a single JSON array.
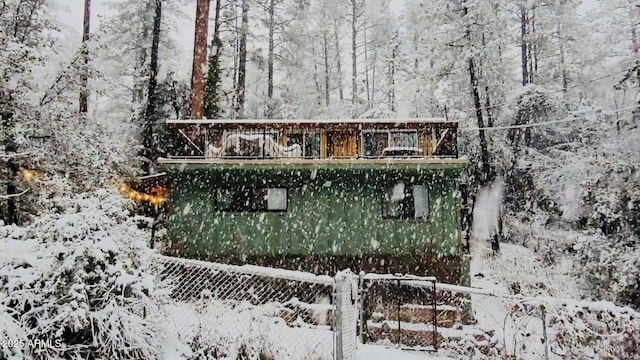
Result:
[
  {"x": 227, "y": 311},
  {"x": 230, "y": 312}
]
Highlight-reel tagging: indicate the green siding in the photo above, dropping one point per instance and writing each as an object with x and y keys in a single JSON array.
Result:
[{"x": 330, "y": 212}]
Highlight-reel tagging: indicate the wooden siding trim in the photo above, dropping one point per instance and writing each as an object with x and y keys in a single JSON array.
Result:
[{"x": 328, "y": 162}]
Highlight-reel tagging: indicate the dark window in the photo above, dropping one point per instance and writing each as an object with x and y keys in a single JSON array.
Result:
[
  {"x": 405, "y": 202},
  {"x": 308, "y": 141},
  {"x": 252, "y": 199},
  {"x": 311, "y": 145},
  {"x": 375, "y": 142}
]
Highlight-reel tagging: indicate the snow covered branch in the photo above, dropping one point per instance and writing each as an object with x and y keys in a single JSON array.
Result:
[{"x": 6, "y": 197}]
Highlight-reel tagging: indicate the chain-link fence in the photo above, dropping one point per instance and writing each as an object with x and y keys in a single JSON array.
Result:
[{"x": 226, "y": 311}]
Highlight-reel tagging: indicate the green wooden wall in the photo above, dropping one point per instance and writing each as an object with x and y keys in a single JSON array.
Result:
[{"x": 331, "y": 212}]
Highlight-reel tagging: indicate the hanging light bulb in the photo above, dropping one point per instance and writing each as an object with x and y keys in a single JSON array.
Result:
[{"x": 27, "y": 174}]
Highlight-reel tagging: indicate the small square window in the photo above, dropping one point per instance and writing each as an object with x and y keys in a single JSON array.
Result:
[
  {"x": 404, "y": 201},
  {"x": 277, "y": 199}
]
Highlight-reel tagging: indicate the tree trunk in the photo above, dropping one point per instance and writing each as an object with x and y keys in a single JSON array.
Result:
[
  {"x": 325, "y": 43},
  {"x": 354, "y": 49},
  {"x": 10, "y": 147},
  {"x": 523, "y": 45},
  {"x": 212, "y": 87},
  {"x": 488, "y": 107},
  {"x": 140, "y": 75},
  {"x": 271, "y": 49},
  {"x": 486, "y": 168},
  {"x": 150, "y": 112},
  {"x": 242, "y": 61},
  {"x": 373, "y": 76},
  {"x": 531, "y": 44},
  {"x": 534, "y": 60},
  {"x": 392, "y": 78},
  {"x": 339, "y": 60},
  {"x": 563, "y": 65},
  {"x": 316, "y": 73},
  {"x": 84, "y": 91},
  {"x": 199, "y": 59},
  {"x": 366, "y": 68}
]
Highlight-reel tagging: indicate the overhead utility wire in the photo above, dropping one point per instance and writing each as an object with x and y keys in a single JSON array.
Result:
[
  {"x": 545, "y": 123},
  {"x": 497, "y": 105}
]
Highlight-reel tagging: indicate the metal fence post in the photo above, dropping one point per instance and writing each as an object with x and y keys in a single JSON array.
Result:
[
  {"x": 399, "y": 308},
  {"x": 361, "y": 293},
  {"x": 544, "y": 332},
  {"x": 338, "y": 331}
]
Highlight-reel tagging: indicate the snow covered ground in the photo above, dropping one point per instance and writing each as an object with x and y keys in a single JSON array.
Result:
[{"x": 378, "y": 352}]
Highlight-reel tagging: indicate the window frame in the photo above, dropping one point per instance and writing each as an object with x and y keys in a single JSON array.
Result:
[
  {"x": 303, "y": 145},
  {"x": 389, "y": 133},
  {"x": 384, "y": 200},
  {"x": 250, "y": 208}
]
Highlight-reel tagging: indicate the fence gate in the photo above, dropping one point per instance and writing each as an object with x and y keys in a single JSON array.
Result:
[{"x": 399, "y": 310}]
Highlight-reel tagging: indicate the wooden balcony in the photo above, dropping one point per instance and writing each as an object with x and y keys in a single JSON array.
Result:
[{"x": 310, "y": 141}]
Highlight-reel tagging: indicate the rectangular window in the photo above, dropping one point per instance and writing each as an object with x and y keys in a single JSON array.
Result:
[
  {"x": 248, "y": 144},
  {"x": 403, "y": 139},
  {"x": 405, "y": 202},
  {"x": 308, "y": 141},
  {"x": 311, "y": 145},
  {"x": 374, "y": 143},
  {"x": 252, "y": 199}
]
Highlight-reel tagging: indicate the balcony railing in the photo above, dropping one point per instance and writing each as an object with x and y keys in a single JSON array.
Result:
[{"x": 311, "y": 139}]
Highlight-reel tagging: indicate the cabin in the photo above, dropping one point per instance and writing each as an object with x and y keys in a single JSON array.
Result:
[{"x": 373, "y": 195}]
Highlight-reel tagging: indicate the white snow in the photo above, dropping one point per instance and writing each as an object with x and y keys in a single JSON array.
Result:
[
  {"x": 378, "y": 352},
  {"x": 398, "y": 192},
  {"x": 487, "y": 211},
  {"x": 255, "y": 270}
]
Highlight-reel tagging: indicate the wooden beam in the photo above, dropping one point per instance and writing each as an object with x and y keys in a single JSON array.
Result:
[{"x": 440, "y": 141}]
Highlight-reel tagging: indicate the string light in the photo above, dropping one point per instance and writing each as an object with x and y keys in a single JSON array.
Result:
[
  {"x": 28, "y": 175},
  {"x": 137, "y": 196}
]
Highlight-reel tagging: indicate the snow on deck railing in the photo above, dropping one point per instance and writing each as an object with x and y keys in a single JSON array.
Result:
[{"x": 309, "y": 121}]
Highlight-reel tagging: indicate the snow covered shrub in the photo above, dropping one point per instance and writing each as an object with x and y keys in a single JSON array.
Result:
[
  {"x": 81, "y": 282},
  {"x": 608, "y": 332}
]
